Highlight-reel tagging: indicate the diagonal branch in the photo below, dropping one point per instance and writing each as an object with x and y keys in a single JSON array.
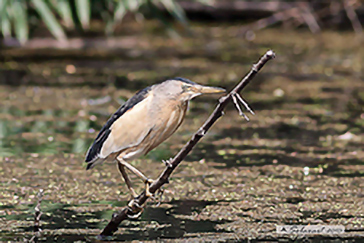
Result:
[{"x": 134, "y": 208}]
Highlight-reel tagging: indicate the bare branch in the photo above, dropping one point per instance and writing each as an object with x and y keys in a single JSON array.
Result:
[
  {"x": 38, "y": 212},
  {"x": 134, "y": 209},
  {"x": 236, "y": 103},
  {"x": 37, "y": 215},
  {"x": 273, "y": 19},
  {"x": 309, "y": 17}
]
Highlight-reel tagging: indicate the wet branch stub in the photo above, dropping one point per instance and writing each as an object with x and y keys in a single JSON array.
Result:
[{"x": 133, "y": 209}]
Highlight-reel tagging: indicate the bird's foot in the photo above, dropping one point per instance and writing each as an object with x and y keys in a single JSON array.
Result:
[
  {"x": 159, "y": 196},
  {"x": 135, "y": 209},
  {"x": 168, "y": 162},
  {"x": 134, "y": 204},
  {"x": 148, "y": 182}
]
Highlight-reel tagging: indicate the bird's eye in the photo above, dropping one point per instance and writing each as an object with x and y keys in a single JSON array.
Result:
[{"x": 185, "y": 88}]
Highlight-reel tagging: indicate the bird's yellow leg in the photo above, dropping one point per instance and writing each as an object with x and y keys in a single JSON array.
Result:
[
  {"x": 121, "y": 168},
  {"x": 145, "y": 179}
]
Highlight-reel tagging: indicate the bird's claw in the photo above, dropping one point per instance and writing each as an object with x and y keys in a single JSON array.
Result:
[
  {"x": 158, "y": 199},
  {"x": 157, "y": 196},
  {"x": 135, "y": 215},
  {"x": 236, "y": 99},
  {"x": 135, "y": 209},
  {"x": 148, "y": 182},
  {"x": 133, "y": 203},
  {"x": 168, "y": 162},
  {"x": 133, "y": 206}
]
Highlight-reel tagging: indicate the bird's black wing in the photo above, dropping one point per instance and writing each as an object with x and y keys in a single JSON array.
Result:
[{"x": 95, "y": 148}]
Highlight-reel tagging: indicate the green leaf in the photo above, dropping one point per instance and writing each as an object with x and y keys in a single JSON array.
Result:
[
  {"x": 157, "y": 13},
  {"x": 176, "y": 10},
  {"x": 49, "y": 19},
  {"x": 117, "y": 16},
  {"x": 3, "y": 5},
  {"x": 20, "y": 17},
  {"x": 120, "y": 11},
  {"x": 63, "y": 8},
  {"x": 134, "y": 5},
  {"x": 5, "y": 21},
  {"x": 5, "y": 25},
  {"x": 83, "y": 12},
  {"x": 108, "y": 19}
]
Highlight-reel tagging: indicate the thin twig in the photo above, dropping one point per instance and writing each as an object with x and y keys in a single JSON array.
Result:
[
  {"x": 309, "y": 17},
  {"x": 246, "y": 105},
  {"x": 273, "y": 19},
  {"x": 134, "y": 208},
  {"x": 241, "y": 113},
  {"x": 37, "y": 214}
]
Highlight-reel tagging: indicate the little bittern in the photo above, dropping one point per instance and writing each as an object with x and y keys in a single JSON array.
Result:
[{"x": 142, "y": 123}]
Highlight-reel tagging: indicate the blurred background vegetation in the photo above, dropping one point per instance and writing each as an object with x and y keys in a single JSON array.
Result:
[{"x": 21, "y": 18}]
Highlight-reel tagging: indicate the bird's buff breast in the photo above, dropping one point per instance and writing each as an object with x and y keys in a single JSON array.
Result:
[{"x": 163, "y": 127}]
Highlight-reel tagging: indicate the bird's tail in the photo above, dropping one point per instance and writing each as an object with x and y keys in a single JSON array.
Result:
[{"x": 91, "y": 164}]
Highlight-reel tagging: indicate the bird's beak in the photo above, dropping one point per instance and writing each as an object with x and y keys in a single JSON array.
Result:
[{"x": 208, "y": 90}]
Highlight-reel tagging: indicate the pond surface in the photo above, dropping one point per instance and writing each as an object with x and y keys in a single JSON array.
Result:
[{"x": 298, "y": 161}]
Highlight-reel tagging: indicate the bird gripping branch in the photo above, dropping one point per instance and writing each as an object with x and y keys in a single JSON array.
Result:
[{"x": 135, "y": 207}]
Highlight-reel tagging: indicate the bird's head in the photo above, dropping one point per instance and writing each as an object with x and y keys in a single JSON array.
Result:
[{"x": 184, "y": 90}]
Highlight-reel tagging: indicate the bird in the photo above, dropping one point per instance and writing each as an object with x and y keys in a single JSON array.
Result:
[{"x": 142, "y": 123}]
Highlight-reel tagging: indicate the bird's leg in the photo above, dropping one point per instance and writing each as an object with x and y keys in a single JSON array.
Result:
[
  {"x": 145, "y": 179},
  {"x": 137, "y": 172},
  {"x": 121, "y": 168}
]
